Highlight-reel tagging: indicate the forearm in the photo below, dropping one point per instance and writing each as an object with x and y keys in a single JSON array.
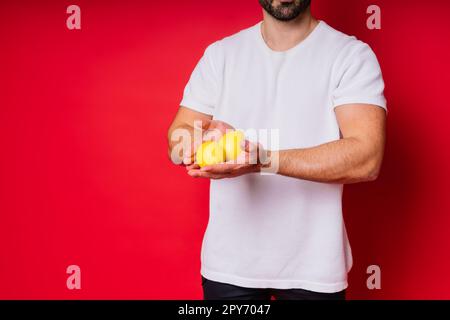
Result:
[
  {"x": 180, "y": 139},
  {"x": 346, "y": 160}
]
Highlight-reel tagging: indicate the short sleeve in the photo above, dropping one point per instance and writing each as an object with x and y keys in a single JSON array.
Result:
[
  {"x": 359, "y": 78},
  {"x": 203, "y": 88}
]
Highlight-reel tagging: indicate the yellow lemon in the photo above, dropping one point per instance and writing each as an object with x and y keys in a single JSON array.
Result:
[
  {"x": 231, "y": 143},
  {"x": 209, "y": 153}
]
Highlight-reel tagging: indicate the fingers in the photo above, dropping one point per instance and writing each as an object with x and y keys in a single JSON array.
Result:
[
  {"x": 217, "y": 171},
  {"x": 192, "y": 166},
  {"x": 188, "y": 155},
  {"x": 250, "y": 154},
  {"x": 202, "y": 124},
  {"x": 208, "y": 175},
  {"x": 249, "y": 146},
  {"x": 220, "y": 125},
  {"x": 255, "y": 152},
  {"x": 212, "y": 135},
  {"x": 221, "y": 168},
  {"x": 187, "y": 161},
  {"x": 212, "y": 124},
  {"x": 216, "y": 129}
]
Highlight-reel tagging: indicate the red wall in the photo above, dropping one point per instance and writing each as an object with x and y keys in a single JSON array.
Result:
[{"x": 84, "y": 175}]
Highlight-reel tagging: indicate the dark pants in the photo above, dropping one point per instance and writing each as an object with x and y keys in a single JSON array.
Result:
[{"x": 213, "y": 290}]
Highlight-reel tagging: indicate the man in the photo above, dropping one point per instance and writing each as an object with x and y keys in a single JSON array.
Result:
[{"x": 283, "y": 235}]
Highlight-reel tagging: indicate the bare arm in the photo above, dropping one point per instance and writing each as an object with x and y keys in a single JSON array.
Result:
[{"x": 356, "y": 157}]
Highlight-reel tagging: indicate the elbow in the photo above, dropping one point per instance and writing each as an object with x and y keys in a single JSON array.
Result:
[
  {"x": 372, "y": 176},
  {"x": 366, "y": 172},
  {"x": 369, "y": 172}
]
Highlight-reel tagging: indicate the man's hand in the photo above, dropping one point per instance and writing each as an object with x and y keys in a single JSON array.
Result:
[
  {"x": 248, "y": 161},
  {"x": 356, "y": 157},
  {"x": 211, "y": 130},
  {"x": 187, "y": 132}
]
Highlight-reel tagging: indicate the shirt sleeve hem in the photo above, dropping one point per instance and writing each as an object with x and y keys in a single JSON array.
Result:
[
  {"x": 380, "y": 102},
  {"x": 196, "y": 106}
]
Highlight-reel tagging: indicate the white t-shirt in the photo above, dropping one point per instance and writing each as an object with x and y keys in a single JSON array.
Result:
[{"x": 271, "y": 231}]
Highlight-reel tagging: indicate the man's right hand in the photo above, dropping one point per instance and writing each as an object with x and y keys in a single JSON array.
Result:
[
  {"x": 211, "y": 130},
  {"x": 186, "y": 119}
]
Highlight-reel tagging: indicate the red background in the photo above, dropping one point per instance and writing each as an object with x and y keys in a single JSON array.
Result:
[{"x": 84, "y": 175}]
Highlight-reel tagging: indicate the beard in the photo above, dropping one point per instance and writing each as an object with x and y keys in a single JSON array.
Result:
[{"x": 285, "y": 11}]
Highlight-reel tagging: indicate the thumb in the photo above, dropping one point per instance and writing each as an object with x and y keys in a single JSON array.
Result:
[{"x": 249, "y": 146}]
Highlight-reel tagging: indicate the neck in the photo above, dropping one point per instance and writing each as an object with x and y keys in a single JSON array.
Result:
[{"x": 283, "y": 35}]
